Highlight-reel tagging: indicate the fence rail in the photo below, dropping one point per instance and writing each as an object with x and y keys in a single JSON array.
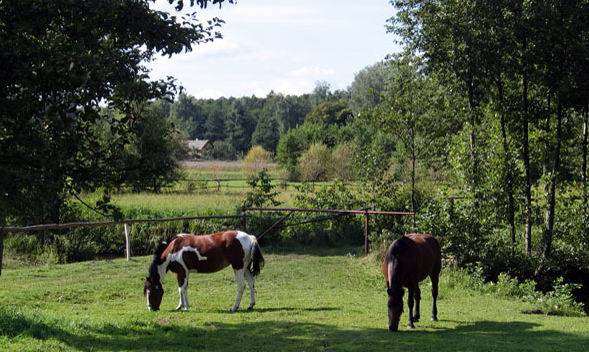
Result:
[
  {"x": 72, "y": 225},
  {"x": 365, "y": 212},
  {"x": 243, "y": 216}
]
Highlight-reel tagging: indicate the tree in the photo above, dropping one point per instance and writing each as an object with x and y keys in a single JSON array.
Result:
[
  {"x": 452, "y": 41},
  {"x": 367, "y": 87},
  {"x": 342, "y": 162},
  {"x": 188, "y": 115},
  {"x": 314, "y": 163},
  {"x": 152, "y": 158},
  {"x": 292, "y": 145},
  {"x": 60, "y": 60},
  {"x": 410, "y": 112},
  {"x": 221, "y": 150},
  {"x": 266, "y": 133},
  {"x": 257, "y": 158}
]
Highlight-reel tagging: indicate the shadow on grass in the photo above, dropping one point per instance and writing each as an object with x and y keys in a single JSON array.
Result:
[
  {"x": 295, "y": 336},
  {"x": 267, "y": 310},
  {"x": 318, "y": 251}
]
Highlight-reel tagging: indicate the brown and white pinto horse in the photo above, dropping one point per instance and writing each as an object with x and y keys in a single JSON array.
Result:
[
  {"x": 408, "y": 261},
  {"x": 204, "y": 254}
]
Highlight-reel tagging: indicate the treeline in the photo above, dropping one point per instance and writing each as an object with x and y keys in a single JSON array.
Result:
[{"x": 234, "y": 125}]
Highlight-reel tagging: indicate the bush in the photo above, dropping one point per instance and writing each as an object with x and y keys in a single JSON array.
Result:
[
  {"x": 257, "y": 159},
  {"x": 342, "y": 162},
  {"x": 313, "y": 164},
  {"x": 558, "y": 301},
  {"x": 262, "y": 191}
]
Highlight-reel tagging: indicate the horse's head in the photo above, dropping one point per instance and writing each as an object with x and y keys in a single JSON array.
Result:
[
  {"x": 395, "y": 305},
  {"x": 154, "y": 291}
]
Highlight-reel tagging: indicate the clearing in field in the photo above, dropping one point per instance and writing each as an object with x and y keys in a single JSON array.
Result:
[{"x": 305, "y": 302}]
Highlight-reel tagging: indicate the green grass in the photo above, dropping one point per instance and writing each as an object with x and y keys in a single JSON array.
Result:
[
  {"x": 184, "y": 203},
  {"x": 326, "y": 301},
  {"x": 190, "y": 204}
]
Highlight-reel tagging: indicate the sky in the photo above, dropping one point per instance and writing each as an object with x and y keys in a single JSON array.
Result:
[{"x": 282, "y": 45}]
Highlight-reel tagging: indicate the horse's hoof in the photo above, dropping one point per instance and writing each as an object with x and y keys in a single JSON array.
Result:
[
  {"x": 434, "y": 318},
  {"x": 410, "y": 326},
  {"x": 250, "y": 308},
  {"x": 233, "y": 310},
  {"x": 415, "y": 320}
]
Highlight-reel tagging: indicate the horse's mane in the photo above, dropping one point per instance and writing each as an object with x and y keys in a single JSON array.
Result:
[
  {"x": 157, "y": 259},
  {"x": 394, "y": 253}
]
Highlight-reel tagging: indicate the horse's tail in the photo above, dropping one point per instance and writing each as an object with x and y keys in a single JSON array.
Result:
[{"x": 257, "y": 259}]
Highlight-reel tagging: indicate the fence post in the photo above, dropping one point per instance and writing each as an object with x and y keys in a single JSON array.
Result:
[
  {"x": 1, "y": 249},
  {"x": 366, "y": 232},
  {"x": 127, "y": 242}
]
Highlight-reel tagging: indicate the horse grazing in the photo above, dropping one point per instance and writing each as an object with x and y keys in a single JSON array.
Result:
[
  {"x": 408, "y": 261},
  {"x": 204, "y": 254}
]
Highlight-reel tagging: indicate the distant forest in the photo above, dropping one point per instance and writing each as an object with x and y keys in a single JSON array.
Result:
[{"x": 234, "y": 125}]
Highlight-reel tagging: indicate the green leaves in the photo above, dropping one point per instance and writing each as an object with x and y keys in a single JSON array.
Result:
[{"x": 61, "y": 62}]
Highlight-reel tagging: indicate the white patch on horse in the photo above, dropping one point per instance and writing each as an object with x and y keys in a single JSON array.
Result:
[
  {"x": 178, "y": 258},
  {"x": 247, "y": 242}
]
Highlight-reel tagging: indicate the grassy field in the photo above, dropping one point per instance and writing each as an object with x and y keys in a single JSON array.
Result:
[
  {"x": 199, "y": 192},
  {"x": 326, "y": 301}
]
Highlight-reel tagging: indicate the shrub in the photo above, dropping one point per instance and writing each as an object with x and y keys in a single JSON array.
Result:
[
  {"x": 262, "y": 191},
  {"x": 342, "y": 162},
  {"x": 256, "y": 159},
  {"x": 314, "y": 163}
]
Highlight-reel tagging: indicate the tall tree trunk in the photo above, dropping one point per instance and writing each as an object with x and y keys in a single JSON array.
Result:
[
  {"x": 584, "y": 172},
  {"x": 472, "y": 119},
  {"x": 413, "y": 162},
  {"x": 526, "y": 159},
  {"x": 506, "y": 164},
  {"x": 549, "y": 230},
  {"x": 584, "y": 165}
]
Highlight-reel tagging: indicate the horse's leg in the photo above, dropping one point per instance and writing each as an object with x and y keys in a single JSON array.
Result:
[
  {"x": 417, "y": 296},
  {"x": 435, "y": 279},
  {"x": 182, "y": 289},
  {"x": 240, "y": 287},
  {"x": 251, "y": 281},
  {"x": 410, "y": 302}
]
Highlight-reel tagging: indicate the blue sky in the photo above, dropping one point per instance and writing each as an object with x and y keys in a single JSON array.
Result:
[{"x": 282, "y": 45}]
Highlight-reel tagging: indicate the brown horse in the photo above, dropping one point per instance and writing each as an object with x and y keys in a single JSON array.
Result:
[
  {"x": 408, "y": 261},
  {"x": 204, "y": 254}
]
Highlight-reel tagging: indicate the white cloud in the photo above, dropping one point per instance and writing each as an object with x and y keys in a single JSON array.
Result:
[
  {"x": 281, "y": 45},
  {"x": 208, "y": 93},
  {"x": 219, "y": 47},
  {"x": 306, "y": 71},
  {"x": 276, "y": 14}
]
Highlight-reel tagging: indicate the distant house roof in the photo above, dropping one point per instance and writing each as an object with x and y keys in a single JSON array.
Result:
[{"x": 198, "y": 144}]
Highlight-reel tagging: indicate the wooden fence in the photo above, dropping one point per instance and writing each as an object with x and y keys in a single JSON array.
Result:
[{"x": 242, "y": 216}]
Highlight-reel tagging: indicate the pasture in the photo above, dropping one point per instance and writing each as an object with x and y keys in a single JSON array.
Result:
[
  {"x": 307, "y": 300},
  {"x": 199, "y": 191}
]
